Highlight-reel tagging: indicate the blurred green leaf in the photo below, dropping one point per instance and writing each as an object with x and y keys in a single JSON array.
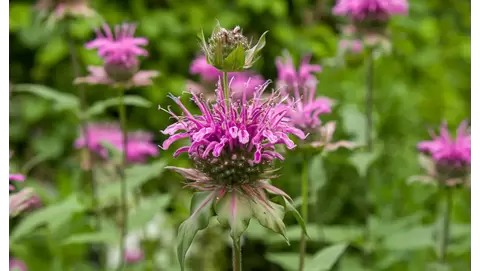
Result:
[
  {"x": 317, "y": 174},
  {"x": 362, "y": 161},
  {"x": 325, "y": 259},
  {"x": 52, "y": 216},
  {"x": 287, "y": 260},
  {"x": 147, "y": 210},
  {"x": 20, "y": 15},
  {"x": 53, "y": 52},
  {"x": 100, "y": 106},
  {"x": 102, "y": 237},
  {"x": 62, "y": 101},
  {"x": 419, "y": 237},
  {"x": 136, "y": 176}
]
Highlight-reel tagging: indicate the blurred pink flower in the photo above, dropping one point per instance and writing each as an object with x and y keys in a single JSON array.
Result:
[
  {"x": 64, "y": 8},
  {"x": 448, "y": 151},
  {"x": 17, "y": 265},
  {"x": 133, "y": 254},
  {"x": 206, "y": 71},
  {"x": 139, "y": 144},
  {"x": 239, "y": 81},
  {"x": 370, "y": 9},
  {"x": 288, "y": 75},
  {"x": 352, "y": 46},
  {"x": 120, "y": 50}
]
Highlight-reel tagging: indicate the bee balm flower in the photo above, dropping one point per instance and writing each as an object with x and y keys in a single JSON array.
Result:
[
  {"x": 233, "y": 152},
  {"x": 120, "y": 51},
  {"x": 451, "y": 156}
]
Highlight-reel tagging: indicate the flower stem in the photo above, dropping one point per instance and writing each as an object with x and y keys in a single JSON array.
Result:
[
  {"x": 123, "y": 187},
  {"x": 83, "y": 118},
  {"x": 226, "y": 93},
  {"x": 447, "y": 193},
  {"x": 305, "y": 201},
  {"x": 236, "y": 255},
  {"x": 369, "y": 76}
]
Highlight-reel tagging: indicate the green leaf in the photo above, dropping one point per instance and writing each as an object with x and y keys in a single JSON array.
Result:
[
  {"x": 288, "y": 207},
  {"x": 325, "y": 259},
  {"x": 102, "y": 237},
  {"x": 354, "y": 123},
  {"x": 147, "y": 210},
  {"x": 287, "y": 260},
  {"x": 411, "y": 239},
  {"x": 234, "y": 211},
  {"x": 113, "y": 153},
  {"x": 53, "y": 52},
  {"x": 250, "y": 54},
  {"x": 317, "y": 174},
  {"x": 136, "y": 176},
  {"x": 53, "y": 216},
  {"x": 200, "y": 213},
  {"x": 362, "y": 161},
  {"x": 270, "y": 215},
  {"x": 235, "y": 61},
  {"x": 63, "y": 101},
  {"x": 100, "y": 107}
]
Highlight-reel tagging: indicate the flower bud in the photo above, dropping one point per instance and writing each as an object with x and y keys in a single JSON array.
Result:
[{"x": 230, "y": 50}]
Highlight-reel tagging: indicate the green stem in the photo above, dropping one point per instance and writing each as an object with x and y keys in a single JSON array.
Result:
[
  {"x": 369, "y": 76},
  {"x": 305, "y": 201},
  {"x": 226, "y": 93},
  {"x": 236, "y": 255},
  {"x": 123, "y": 187},
  {"x": 447, "y": 193},
  {"x": 86, "y": 154}
]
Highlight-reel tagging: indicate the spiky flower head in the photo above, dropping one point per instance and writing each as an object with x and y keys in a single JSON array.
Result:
[
  {"x": 229, "y": 50},
  {"x": 233, "y": 149},
  {"x": 120, "y": 51},
  {"x": 451, "y": 156},
  {"x": 139, "y": 143}
]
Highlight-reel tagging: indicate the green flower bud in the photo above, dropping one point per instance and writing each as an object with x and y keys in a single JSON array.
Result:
[{"x": 230, "y": 50}]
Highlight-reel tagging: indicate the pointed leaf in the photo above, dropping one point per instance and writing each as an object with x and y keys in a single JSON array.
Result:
[
  {"x": 270, "y": 216},
  {"x": 250, "y": 55},
  {"x": 325, "y": 259},
  {"x": 53, "y": 216},
  {"x": 234, "y": 211},
  {"x": 100, "y": 107},
  {"x": 63, "y": 101},
  {"x": 288, "y": 206},
  {"x": 287, "y": 260},
  {"x": 201, "y": 211},
  {"x": 235, "y": 61},
  {"x": 146, "y": 210}
]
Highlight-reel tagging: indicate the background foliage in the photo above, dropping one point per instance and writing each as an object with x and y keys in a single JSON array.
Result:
[{"x": 426, "y": 79}]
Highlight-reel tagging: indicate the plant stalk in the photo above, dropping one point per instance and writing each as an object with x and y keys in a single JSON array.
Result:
[
  {"x": 236, "y": 255},
  {"x": 226, "y": 92},
  {"x": 86, "y": 155},
  {"x": 123, "y": 187},
  {"x": 305, "y": 201},
  {"x": 369, "y": 76},
  {"x": 444, "y": 239}
]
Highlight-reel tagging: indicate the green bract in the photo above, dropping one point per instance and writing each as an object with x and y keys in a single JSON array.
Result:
[{"x": 229, "y": 50}]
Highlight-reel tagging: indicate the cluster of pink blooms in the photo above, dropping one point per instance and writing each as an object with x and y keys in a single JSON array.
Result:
[
  {"x": 139, "y": 144},
  {"x": 120, "y": 51},
  {"x": 239, "y": 81},
  {"x": 370, "y": 9},
  {"x": 64, "y": 8},
  {"x": 448, "y": 151}
]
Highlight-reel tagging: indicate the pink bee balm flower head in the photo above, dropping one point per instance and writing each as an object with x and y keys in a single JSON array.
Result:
[
  {"x": 233, "y": 152},
  {"x": 449, "y": 152},
  {"x": 17, "y": 265},
  {"x": 288, "y": 75},
  {"x": 120, "y": 50},
  {"x": 360, "y": 10},
  {"x": 305, "y": 109},
  {"x": 63, "y": 9},
  {"x": 139, "y": 144}
]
